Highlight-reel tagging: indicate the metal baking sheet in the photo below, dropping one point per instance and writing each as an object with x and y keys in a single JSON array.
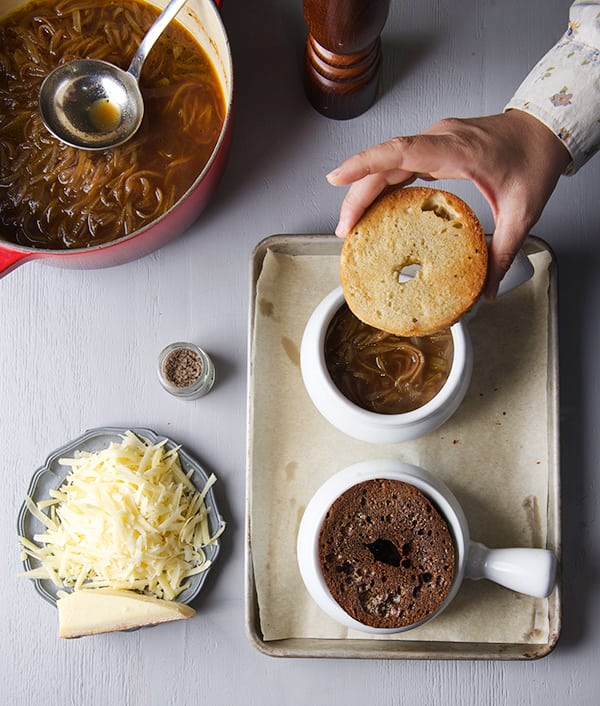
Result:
[{"x": 327, "y": 245}]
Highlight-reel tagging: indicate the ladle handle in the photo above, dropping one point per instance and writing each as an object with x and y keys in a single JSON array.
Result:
[
  {"x": 526, "y": 570},
  {"x": 151, "y": 36}
]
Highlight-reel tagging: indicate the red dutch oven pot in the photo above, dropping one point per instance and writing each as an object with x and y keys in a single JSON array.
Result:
[{"x": 202, "y": 19}]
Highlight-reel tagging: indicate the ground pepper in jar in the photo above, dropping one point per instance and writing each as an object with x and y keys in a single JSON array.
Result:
[
  {"x": 182, "y": 367},
  {"x": 185, "y": 370}
]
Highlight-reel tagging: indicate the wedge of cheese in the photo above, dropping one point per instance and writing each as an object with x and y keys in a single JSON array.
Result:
[{"x": 92, "y": 611}]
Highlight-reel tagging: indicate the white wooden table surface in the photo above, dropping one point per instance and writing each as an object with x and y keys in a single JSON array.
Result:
[{"x": 78, "y": 349}]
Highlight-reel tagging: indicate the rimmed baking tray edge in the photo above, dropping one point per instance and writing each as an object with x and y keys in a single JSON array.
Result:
[{"x": 321, "y": 244}]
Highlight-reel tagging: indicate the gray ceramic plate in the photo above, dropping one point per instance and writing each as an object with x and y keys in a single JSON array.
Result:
[{"x": 52, "y": 475}]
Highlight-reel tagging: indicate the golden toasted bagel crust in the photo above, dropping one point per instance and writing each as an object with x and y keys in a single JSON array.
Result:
[{"x": 414, "y": 226}]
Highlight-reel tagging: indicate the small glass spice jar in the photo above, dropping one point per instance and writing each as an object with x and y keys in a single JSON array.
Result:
[{"x": 185, "y": 370}]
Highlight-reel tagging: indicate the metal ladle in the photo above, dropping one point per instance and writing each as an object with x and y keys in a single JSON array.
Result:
[{"x": 92, "y": 104}]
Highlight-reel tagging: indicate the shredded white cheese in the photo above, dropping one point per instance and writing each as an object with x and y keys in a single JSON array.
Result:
[{"x": 126, "y": 517}]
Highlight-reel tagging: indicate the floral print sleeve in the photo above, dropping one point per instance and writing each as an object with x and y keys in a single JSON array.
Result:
[{"x": 563, "y": 90}]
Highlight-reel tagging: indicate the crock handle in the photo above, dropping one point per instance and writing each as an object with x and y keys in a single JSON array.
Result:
[
  {"x": 9, "y": 259},
  {"x": 518, "y": 273},
  {"x": 526, "y": 570}
]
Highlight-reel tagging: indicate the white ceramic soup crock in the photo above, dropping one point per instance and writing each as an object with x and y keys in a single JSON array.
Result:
[
  {"x": 374, "y": 427},
  {"x": 527, "y": 570}
]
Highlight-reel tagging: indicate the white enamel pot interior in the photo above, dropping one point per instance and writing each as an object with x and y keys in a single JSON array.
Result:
[
  {"x": 373, "y": 427},
  {"x": 530, "y": 571}
]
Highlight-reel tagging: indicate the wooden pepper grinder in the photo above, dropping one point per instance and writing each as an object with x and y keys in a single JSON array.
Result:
[{"x": 343, "y": 54}]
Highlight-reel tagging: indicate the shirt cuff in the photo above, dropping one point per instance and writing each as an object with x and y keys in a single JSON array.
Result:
[{"x": 563, "y": 92}]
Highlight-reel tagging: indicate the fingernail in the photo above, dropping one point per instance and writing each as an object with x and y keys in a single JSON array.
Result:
[{"x": 332, "y": 175}]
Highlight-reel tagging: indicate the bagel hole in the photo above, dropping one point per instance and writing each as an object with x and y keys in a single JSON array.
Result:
[{"x": 411, "y": 271}]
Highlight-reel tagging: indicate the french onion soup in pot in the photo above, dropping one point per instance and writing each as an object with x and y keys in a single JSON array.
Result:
[
  {"x": 382, "y": 372},
  {"x": 57, "y": 197}
]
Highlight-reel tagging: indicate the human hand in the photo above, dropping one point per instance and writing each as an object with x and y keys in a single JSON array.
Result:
[{"x": 512, "y": 158}]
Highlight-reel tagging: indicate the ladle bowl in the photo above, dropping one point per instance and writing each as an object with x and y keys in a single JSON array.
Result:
[{"x": 93, "y": 104}]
